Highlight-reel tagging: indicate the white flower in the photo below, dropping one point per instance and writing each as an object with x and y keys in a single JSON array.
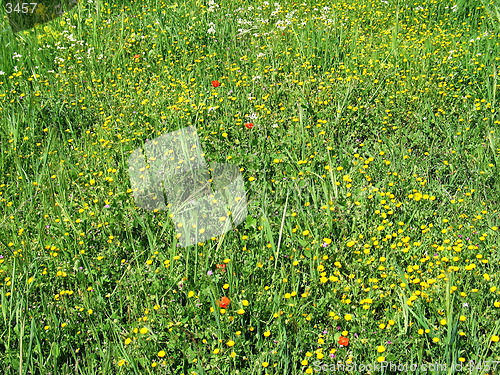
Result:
[
  {"x": 212, "y": 6},
  {"x": 211, "y": 30},
  {"x": 1, "y": 73}
]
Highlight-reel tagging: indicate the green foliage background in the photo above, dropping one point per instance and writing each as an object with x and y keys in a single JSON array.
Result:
[{"x": 371, "y": 172}]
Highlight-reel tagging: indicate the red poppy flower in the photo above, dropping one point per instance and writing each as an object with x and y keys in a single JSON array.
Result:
[
  {"x": 344, "y": 341},
  {"x": 223, "y": 302},
  {"x": 221, "y": 267},
  {"x": 215, "y": 83},
  {"x": 249, "y": 125}
]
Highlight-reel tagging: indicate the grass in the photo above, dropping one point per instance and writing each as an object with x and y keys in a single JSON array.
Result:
[{"x": 371, "y": 174}]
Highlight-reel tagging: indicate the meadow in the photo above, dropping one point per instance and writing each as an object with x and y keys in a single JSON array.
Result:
[{"x": 368, "y": 136}]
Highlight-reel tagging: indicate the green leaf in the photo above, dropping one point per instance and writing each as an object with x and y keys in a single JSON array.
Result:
[
  {"x": 390, "y": 358},
  {"x": 251, "y": 221}
]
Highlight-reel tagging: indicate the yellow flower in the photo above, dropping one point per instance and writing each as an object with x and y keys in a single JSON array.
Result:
[
  {"x": 348, "y": 317},
  {"x": 121, "y": 362},
  {"x": 265, "y": 364},
  {"x": 435, "y": 339},
  {"x": 230, "y": 343},
  {"x": 381, "y": 359},
  {"x": 380, "y": 348},
  {"x": 495, "y": 338},
  {"x": 267, "y": 334},
  {"x": 350, "y": 244},
  {"x": 161, "y": 354},
  {"x": 143, "y": 330},
  {"x": 128, "y": 340}
]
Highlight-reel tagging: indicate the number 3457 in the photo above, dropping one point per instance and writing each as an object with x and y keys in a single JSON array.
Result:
[{"x": 20, "y": 7}]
